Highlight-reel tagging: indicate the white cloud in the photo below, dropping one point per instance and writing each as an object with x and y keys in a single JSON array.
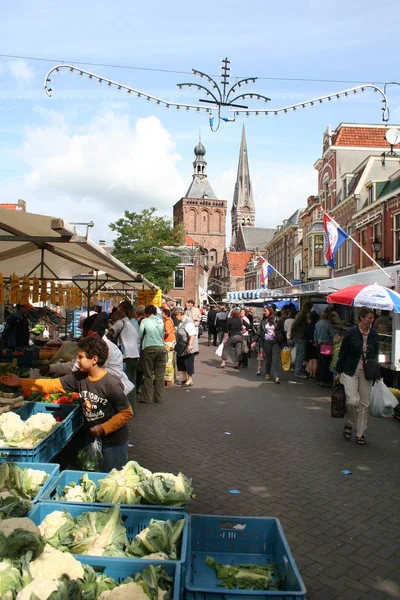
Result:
[
  {"x": 21, "y": 72},
  {"x": 98, "y": 172}
]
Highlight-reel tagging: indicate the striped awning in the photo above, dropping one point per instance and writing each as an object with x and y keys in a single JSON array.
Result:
[{"x": 246, "y": 294}]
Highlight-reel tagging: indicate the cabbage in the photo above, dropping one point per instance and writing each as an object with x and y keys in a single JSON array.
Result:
[
  {"x": 166, "y": 489},
  {"x": 159, "y": 536},
  {"x": 121, "y": 487},
  {"x": 10, "y": 581}
]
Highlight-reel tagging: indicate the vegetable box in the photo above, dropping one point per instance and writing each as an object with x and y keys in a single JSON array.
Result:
[
  {"x": 238, "y": 540},
  {"x": 70, "y": 415},
  {"x": 66, "y": 477},
  {"x": 122, "y": 570},
  {"x": 135, "y": 520}
]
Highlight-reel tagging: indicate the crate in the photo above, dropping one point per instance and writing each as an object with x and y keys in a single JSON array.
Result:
[
  {"x": 135, "y": 520},
  {"x": 65, "y": 478},
  {"x": 54, "y": 442},
  {"x": 51, "y": 469},
  {"x": 122, "y": 570},
  {"x": 71, "y": 415},
  {"x": 238, "y": 540}
]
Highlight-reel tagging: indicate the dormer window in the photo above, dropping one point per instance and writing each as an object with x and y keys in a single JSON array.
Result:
[{"x": 371, "y": 194}]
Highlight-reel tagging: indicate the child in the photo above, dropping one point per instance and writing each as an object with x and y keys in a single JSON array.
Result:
[{"x": 105, "y": 406}]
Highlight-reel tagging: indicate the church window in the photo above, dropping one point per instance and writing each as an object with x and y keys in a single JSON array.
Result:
[{"x": 204, "y": 221}]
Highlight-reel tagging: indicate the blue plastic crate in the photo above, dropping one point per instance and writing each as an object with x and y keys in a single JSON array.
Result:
[
  {"x": 71, "y": 415},
  {"x": 65, "y": 478},
  {"x": 120, "y": 571},
  {"x": 51, "y": 469},
  {"x": 135, "y": 520},
  {"x": 238, "y": 540}
]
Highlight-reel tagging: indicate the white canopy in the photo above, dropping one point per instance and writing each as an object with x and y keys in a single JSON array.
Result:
[{"x": 51, "y": 248}]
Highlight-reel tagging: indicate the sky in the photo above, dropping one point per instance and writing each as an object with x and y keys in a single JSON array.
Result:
[{"x": 89, "y": 152}]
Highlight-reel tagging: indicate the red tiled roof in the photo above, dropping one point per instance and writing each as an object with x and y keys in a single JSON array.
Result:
[
  {"x": 369, "y": 137},
  {"x": 237, "y": 262},
  {"x": 189, "y": 241},
  {"x": 9, "y": 206}
]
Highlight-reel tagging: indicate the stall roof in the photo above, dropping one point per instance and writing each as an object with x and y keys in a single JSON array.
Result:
[{"x": 28, "y": 240}]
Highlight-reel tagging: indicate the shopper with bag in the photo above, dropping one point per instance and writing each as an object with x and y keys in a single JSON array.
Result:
[
  {"x": 323, "y": 336},
  {"x": 358, "y": 367},
  {"x": 233, "y": 338},
  {"x": 187, "y": 346},
  {"x": 311, "y": 353},
  {"x": 246, "y": 326}
]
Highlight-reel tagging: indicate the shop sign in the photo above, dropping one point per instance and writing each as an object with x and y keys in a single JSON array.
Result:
[{"x": 146, "y": 297}]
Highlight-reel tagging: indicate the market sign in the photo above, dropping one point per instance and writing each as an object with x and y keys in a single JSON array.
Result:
[{"x": 146, "y": 297}]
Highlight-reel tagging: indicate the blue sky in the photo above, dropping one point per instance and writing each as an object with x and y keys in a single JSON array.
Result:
[{"x": 89, "y": 153}]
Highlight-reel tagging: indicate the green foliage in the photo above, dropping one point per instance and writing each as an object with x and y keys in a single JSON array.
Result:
[
  {"x": 159, "y": 537},
  {"x": 19, "y": 542},
  {"x": 12, "y": 506},
  {"x": 137, "y": 233},
  {"x": 246, "y": 576}
]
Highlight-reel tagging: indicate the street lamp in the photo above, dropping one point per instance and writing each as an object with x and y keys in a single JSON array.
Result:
[
  {"x": 376, "y": 247},
  {"x": 302, "y": 276}
]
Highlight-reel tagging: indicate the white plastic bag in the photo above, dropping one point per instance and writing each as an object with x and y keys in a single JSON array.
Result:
[
  {"x": 382, "y": 400},
  {"x": 219, "y": 350},
  {"x": 293, "y": 353}
]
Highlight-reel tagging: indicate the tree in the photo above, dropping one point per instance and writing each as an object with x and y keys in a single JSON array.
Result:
[{"x": 137, "y": 235}]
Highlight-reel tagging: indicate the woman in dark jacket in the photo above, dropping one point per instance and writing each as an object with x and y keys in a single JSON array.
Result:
[
  {"x": 359, "y": 343},
  {"x": 233, "y": 338}
]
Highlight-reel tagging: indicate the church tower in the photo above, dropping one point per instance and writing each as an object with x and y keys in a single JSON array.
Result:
[
  {"x": 203, "y": 215},
  {"x": 243, "y": 210}
]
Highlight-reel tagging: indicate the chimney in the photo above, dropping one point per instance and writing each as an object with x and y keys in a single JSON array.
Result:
[
  {"x": 21, "y": 205},
  {"x": 102, "y": 242}
]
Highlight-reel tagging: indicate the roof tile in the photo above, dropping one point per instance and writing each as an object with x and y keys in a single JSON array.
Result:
[
  {"x": 237, "y": 262},
  {"x": 369, "y": 137}
]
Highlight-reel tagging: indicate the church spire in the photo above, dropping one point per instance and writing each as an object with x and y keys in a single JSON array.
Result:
[{"x": 243, "y": 210}]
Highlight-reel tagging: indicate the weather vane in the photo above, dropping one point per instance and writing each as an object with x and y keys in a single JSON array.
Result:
[{"x": 221, "y": 95}]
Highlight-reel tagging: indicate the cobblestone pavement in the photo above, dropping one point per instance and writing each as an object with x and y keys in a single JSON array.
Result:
[{"x": 286, "y": 455}]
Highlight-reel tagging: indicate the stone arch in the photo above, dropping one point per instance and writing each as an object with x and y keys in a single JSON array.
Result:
[{"x": 218, "y": 222}]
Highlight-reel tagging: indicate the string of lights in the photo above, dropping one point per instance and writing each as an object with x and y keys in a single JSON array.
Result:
[{"x": 222, "y": 96}]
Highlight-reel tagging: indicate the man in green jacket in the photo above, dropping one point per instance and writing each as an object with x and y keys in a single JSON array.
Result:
[{"x": 152, "y": 356}]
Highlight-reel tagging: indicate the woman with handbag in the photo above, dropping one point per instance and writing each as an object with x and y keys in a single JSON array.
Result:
[
  {"x": 246, "y": 326},
  {"x": 170, "y": 341},
  {"x": 323, "y": 336},
  {"x": 311, "y": 353},
  {"x": 358, "y": 367},
  {"x": 272, "y": 345},
  {"x": 187, "y": 346},
  {"x": 233, "y": 338}
]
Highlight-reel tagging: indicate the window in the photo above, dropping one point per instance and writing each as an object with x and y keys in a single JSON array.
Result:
[
  {"x": 326, "y": 193},
  {"x": 319, "y": 250},
  {"x": 179, "y": 279},
  {"x": 349, "y": 250},
  {"x": 396, "y": 232},
  {"x": 371, "y": 194},
  {"x": 363, "y": 244},
  {"x": 340, "y": 258},
  {"x": 376, "y": 229}
]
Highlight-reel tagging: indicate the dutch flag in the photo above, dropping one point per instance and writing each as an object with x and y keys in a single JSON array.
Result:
[
  {"x": 266, "y": 270},
  {"x": 334, "y": 236}
]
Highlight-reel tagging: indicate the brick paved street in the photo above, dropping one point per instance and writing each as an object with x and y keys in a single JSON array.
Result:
[{"x": 286, "y": 455}]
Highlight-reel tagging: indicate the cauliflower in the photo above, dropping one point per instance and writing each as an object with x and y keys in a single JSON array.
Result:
[
  {"x": 37, "y": 477},
  {"x": 9, "y": 525},
  {"x": 75, "y": 494},
  {"x": 127, "y": 591},
  {"x": 52, "y": 523},
  {"x": 11, "y": 427},
  {"x": 41, "y": 421},
  {"x": 42, "y": 588},
  {"x": 51, "y": 564},
  {"x": 156, "y": 556}
]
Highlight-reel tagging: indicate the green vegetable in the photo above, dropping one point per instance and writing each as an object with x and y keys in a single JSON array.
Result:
[
  {"x": 246, "y": 576},
  {"x": 159, "y": 536},
  {"x": 90, "y": 457},
  {"x": 68, "y": 589},
  {"x": 153, "y": 580},
  {"x": 12, "y": 506},
  {"x": 10, "y": 581},
  {"x": 21, "y": 482},
  {"x": 121, "y": 487},
  {"x": 19, "y": 536},
  {"x": 94, "y": 584},
  {"x": 85, "y": 491},
  {"x": 166, "y": 489}
]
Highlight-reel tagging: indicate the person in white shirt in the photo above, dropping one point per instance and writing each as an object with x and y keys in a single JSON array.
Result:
[
  {"x": 123, "y": 333},
  {"x": 95, "y": 326}
]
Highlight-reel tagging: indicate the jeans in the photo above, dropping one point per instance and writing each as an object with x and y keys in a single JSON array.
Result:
[
  {"x": 234, "y": 342},
  {"x": 272, "y": 351},
  {"x": 300, "y": 344},
  {"x": 153, "y": 363},
  {"x": 131, "y": 365},
  {"x": 114, "y": 457}
]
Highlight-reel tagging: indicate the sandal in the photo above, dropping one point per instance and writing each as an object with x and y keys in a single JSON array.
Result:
[
  {"x": 347, "y": 432},
  {"x": 361, "y": 440}
]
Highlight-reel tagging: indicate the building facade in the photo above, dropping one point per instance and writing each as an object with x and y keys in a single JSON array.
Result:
[
  {"x": 279, "y": 251},
  {"x": 201, "y": 212},
  {"x": 191, "y": 272}
]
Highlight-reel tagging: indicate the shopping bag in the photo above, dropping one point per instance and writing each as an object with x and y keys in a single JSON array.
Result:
[
  {"x": 90, "y": 458},
  {"x": 326, "y": 349},
  {"x": 338, "y": 401},
  {"x": 293, "y": 353},
  {"x": 245, "y": 348},
  {"x": 219, "y": 350},
  {"x": 382, "y": 400},
  {"x": 286, "y": 358}
]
